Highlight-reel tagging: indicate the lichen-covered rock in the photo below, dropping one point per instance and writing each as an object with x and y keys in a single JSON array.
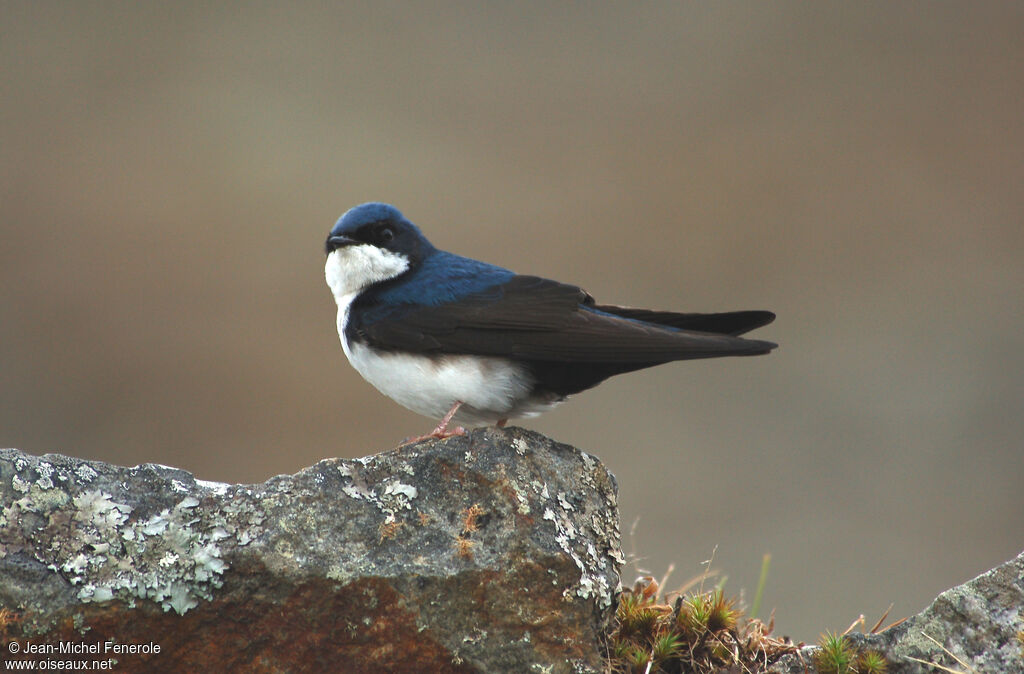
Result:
[
  {"x": 975, "y": 627},
  {"x": 495, "y": 551}
]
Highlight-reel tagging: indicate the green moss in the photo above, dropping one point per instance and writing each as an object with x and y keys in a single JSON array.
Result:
[
  {"x": 697, "y": 633},
  {"x": 835, "y": 654}
]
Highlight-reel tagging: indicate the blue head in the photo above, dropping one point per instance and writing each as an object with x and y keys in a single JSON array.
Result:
[
  {"x": 382, "y": 226},
  {"x": 373, "y": 245}
]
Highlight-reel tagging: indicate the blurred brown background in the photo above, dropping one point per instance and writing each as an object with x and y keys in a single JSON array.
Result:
[{"x": 170, "y": 171}]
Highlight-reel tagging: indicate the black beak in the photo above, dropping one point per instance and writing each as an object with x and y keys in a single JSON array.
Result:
[{"x": 336, "y": 242}]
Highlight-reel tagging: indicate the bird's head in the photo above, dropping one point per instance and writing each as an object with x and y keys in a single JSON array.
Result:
[{"x": 369, "y": 244}]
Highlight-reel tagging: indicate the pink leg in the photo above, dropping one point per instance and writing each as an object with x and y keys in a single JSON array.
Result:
[{"x": 441, "y": 431}]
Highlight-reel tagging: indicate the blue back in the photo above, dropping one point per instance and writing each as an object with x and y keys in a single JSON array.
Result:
[{"x": 443, "y": 277}]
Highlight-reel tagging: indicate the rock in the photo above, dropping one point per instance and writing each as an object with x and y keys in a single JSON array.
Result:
[
  {"x": 977, "y": 627},
  {"x": 497, "y": 551}
]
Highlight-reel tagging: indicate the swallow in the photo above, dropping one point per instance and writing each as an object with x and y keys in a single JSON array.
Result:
[{"x": 467, "y": 342}]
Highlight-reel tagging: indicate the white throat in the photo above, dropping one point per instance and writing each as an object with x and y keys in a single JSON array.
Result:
[{"x": 352, "y": 269}]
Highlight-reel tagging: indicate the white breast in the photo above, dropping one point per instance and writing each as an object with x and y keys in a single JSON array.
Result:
[{"x": 490, "y": 388}]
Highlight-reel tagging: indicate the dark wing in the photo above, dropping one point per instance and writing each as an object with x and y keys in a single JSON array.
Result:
[
  {"x": 727, "y": 323},
  {"x": 538, "y": 320}
]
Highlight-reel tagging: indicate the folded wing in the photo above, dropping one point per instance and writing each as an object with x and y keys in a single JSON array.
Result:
[{"x": 534, "y": 319}]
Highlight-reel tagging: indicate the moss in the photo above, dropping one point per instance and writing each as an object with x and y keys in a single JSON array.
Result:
[
  {"x": 835, "y": 654},
  {"x": 700, "y": 632}
]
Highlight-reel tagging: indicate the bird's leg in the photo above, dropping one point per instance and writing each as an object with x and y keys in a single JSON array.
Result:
[
  {"x": 442, "y": 428},
  {"x": 501, "y": 423},
  {"x": 441, "y": 431}
]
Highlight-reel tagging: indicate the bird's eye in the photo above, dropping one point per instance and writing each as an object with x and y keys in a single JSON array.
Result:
[{"x": 386, "y": 234}]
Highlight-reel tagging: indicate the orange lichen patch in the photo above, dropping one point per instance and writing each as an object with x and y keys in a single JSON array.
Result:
[
  {"x": 8, "y": 620},
  {"x": 464, "y": 547},
  {"x": 470, "y": 518},
  {"x": 388, "y": 530}
]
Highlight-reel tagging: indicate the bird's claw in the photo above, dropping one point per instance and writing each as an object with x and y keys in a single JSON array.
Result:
[{"x": 436, "y": 434}]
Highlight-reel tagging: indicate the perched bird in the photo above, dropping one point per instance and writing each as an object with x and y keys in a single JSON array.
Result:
[{"x": 454, "y": 338}]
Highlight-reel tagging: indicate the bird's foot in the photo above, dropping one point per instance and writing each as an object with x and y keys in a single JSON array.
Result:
[
  {"x": 435, "y": 435},
  {"x": 441, "y": 431}
]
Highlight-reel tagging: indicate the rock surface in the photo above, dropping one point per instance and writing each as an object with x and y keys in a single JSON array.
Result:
[
  {"x": 491, "y": 552},
  {"x": 977, "y": 627}
]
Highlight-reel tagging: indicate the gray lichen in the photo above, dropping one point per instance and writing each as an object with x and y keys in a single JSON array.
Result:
[{"x": 104, "y": 547}]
